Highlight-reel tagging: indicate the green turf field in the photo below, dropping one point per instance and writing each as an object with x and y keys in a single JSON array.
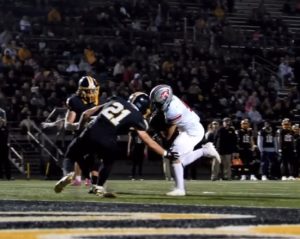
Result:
[{"x": 222, "y": 193}]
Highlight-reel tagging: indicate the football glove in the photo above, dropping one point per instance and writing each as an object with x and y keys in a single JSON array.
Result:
[{"x": 171, "y": 155}]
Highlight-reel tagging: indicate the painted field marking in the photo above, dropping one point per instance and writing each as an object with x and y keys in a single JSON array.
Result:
[
  {"x": 33, "y": 216},
  {"x": 271, "y": 231}
]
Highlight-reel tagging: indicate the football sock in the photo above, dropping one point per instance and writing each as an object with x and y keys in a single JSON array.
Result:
[
  {"x": 178, "y": 173},
  {"x": 78, "y": 178}
]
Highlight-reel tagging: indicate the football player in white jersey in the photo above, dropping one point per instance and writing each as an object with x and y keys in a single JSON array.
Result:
[{"x": 191, "y": 132}]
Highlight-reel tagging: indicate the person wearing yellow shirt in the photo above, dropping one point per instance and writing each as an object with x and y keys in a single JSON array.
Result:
[
  {"x": 54, "y": 16},
  {"x": 89, "y": 55},
  {"x": 24, "y": 53}
]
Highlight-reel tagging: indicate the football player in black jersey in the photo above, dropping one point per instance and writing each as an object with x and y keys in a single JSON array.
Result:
[
  {"x": 86, "y": 97},
  {"x": 286, "y": 147},
  {"x": 116, "y": 117},
  {"x": 246, "y": 147}
]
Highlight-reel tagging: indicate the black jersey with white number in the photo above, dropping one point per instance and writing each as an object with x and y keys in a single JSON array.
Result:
[
  {"x": 75, "y": 103},
  {"x": 268, "y": 138},
  {"x": 117, "y": 117},
  {"x": 244, "y": 138},
  {"x": 286, "y": 139}
]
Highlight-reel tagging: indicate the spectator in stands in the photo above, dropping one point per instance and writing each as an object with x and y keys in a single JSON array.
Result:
[
  {"x": 26, "y": 121},
  {"x": 54, "y": 16},
  {"x": 89, "y": 55},
  {"x": 285, "y": 72},
  {"x": 219, "y": 12},
  {"x": 7, "y": 59},
  {"x": 23, "y": 52},
  {"x": 72, "y": 67},
  {"x": 25, "y": 25},
  {"x": 5, "y": 37},
  {"x": 255, "y": 118}
]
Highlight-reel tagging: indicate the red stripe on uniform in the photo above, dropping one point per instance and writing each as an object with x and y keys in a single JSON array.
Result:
[{"x": 176, "y": 118}]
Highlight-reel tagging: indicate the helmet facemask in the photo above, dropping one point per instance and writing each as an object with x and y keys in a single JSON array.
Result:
[{"x": 88, "y": 90}]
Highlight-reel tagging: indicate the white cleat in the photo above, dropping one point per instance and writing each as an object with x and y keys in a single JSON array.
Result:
[
  {"x": 264, "y": 178},
  {"x": 243, "y": 178},
  {"x": 176, "y": 192},
  {"x": 284, "y": 178},
  {"x": 253, "y": 178},
  {"x": 101, "y": 192},
  {"x": 210, "y": 151},
  {"x": 291, "y": 178},
  {"x": 63, "y": 182}
]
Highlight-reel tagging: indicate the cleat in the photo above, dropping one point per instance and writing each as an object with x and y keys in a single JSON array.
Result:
[
  {"x": 243, "y": 178},
  {"x": 284, "y": 178},
  {"x": 176, "y": 192},
  {"x": 291, "y": 178},
  {"x": 253, "y": 178},
  {"x": 210, "y": 151},
  {"x": 63, "y": 182},
  {"x": 264, "y": 178},
  {"x": 92, "y": 189},
  {"x": 101, "y": 192}
]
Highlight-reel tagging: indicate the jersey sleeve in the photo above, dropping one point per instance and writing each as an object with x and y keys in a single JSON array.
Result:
[
  {"x": 142, "y": 125},
  {"x": 71, "y": 103},
  {"x": 173, "y": 115}
]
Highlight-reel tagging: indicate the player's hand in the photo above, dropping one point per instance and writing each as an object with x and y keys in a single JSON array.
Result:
[
  {"x": 171, "y": 155},
  {"x": 46, "y": 125}
]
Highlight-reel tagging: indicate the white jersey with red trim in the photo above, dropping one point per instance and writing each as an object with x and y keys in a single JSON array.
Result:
[{"x": 183, "y": 117}]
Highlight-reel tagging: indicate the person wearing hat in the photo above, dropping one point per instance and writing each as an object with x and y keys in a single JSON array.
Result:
[{"x": 226, "y": 145}]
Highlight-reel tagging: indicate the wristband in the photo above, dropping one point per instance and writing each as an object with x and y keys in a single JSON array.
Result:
[{"x": 165, "y": 153}]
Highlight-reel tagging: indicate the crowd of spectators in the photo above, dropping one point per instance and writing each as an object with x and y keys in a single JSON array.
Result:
[{"x": 46, "y": 46}]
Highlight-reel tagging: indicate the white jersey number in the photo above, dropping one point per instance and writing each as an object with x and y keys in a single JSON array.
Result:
[{"x": 115, "y": 113}]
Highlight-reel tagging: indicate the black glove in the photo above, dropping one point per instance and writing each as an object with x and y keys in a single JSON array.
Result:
[{"x": 171, "y": 155}]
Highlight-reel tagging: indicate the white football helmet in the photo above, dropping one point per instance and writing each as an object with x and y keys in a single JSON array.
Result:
[{"x": 161, "y": 96}]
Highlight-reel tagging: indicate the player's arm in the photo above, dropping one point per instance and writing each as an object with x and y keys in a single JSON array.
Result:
[
  {"x": 70, "y": 123},
  {"x": 155, "y": 146},
  {"x": 58, "y": 123},
  {"x": 86, "y": 115},
  {"x": 170, "y": 131}
]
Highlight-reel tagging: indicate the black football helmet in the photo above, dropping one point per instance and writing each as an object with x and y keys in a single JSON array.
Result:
[
  {"x": 141, "y": 101},
  {"x": 88, "y": 90}
]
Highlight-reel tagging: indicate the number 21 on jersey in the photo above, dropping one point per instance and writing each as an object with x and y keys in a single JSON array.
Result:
[{"x": 115, "y": 113}]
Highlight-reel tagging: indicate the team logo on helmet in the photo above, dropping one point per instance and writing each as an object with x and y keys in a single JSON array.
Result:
[
  {"x": 165, "y": 94},
  {"x": 161, "y": 97}
]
